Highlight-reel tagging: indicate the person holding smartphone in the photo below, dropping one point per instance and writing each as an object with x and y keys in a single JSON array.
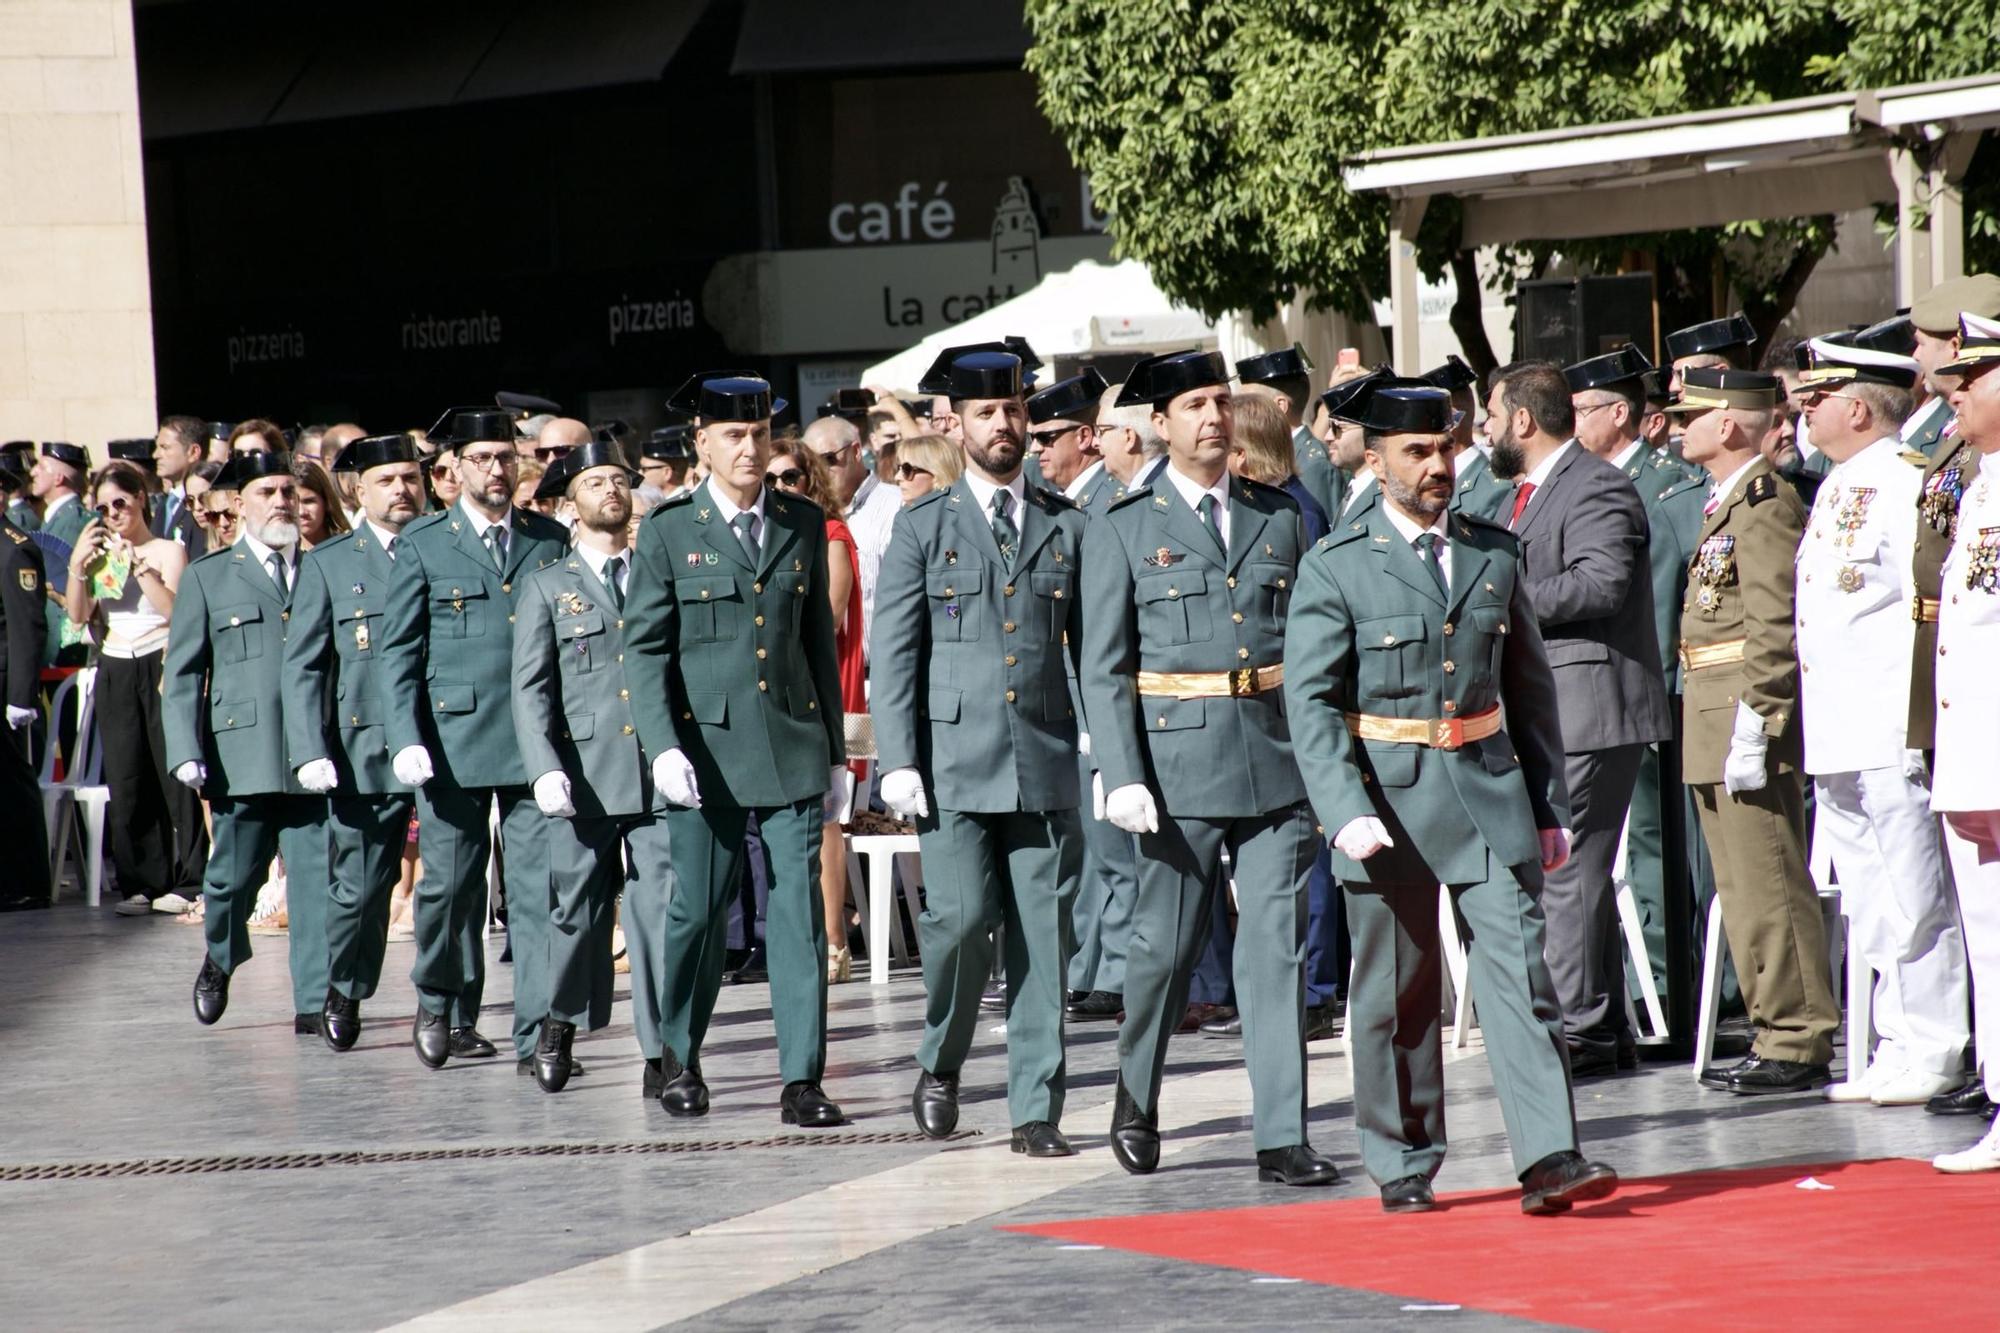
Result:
[{"x": 122, "y": 582}]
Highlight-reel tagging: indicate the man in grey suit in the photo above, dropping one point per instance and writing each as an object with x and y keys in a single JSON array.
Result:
[
  {"x": 591, "y": 778},
  {"x": 1583, "y": 560},
  {"x": 973, "y": 616}
]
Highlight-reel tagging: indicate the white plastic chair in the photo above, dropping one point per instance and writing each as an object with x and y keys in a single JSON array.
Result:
[
  {"x": 875, "y": 894},
  {"x": 75, "y": 808}
]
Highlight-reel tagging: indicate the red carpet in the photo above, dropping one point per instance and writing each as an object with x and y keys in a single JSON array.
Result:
[{"x": 1892, "y": 1244}]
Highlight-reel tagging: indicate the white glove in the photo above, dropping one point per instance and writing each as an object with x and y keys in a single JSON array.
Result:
[
  {"x": 1362, "y": 837},
  {"x": 1097, "y": 797},
  {"x": 834, "y": 804},
  {"x": 903, "y": 792},
  {"x": 1131, "y": 808},
  {"x": 1743, "y": 768},
  {"x": 1555, "y": 847},
  {"x": 1915, "y": 767},
  {"x": 1083, "y": 743},
  {"x": 673, "y": 774},
  {"x": 19, "y": 717},
  {"x": 318, "y": 776},
  {"x": 193, "y": 774},
  {"x": 412, "y": 766},
  {"x": 552, "y": 795}
]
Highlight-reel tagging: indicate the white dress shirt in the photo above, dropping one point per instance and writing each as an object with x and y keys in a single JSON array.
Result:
[
  {"x": 1083, "y": 479},
  {"x": 1628, "y": 453},
  {"x": 1720, "y": 493},
  {"x": 1964, "y": 776},
  {"x": 1362, "y": 481},
  {"x": 1409, "y": 532},
  {"x": 1192, "y": 491},
  {"x": 597, "y": 560},
  {"x": 262, "y": 555},
  {"x": 727, "y": 511},
  {"x": 1539, "y": 475},
  {"x": 984, "y": 490},
  {"x": 871, "y": 517}
]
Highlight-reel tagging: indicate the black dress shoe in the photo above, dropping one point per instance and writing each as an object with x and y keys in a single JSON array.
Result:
[
  {"x": 1591, "y": 1061},
  {"x": 305, "y": 1025},
  {"x": 1135, "y": 1134},
  {"x": 1099, "y": 1004},
  {"x": 340, "y": 1021},
  {"x": 1562, "y": 1179},
  {"x": 935, "y": 1103},
  {"x": 1323, "y": 1020},
  {"x": 211, "y": 992},
  {"x": 1411, "y": 1194},
  {"x": 1628, "y": 1051},
  {"x": 749, "y": 976},
  {"x": 1717, "y": 1076},
  {"x": 1968, "y": 1100},
  {"x": 804, "y": 1105},
  {"x": 526, "y": 1067},
  {"x": 1225, "y": 1024},
  {"x": 652, "y": 1082},
  {"x": 684, "y": 1093},
  {"x": 1073, "y": 998},
  {"x": 1732, "y": 1038},
  {"x": 1296, "y": 1165},
  {"x": 467, "y": 1044},
  {"x": 1758, "y": 1077},
  {"x": 1038, "y": 1138},
  {"x": 431, "y": 1035},
  {"x": 552, "y": 1054}
]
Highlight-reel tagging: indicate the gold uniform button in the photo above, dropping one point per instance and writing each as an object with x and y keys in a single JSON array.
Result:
[
  {"x": 764, "y": 685},
  {"x": 704, "y": 594},
  {"x": 1161, "y": 721},
  {"x": 951, "y": 592},
  {"x": 621, "y": 624},
  {"x": 1232, "y": 580},
  {"x": 1173, "y": 592},
  {"x": 355, "y": 720},
  {"x": 687, "y": 717},
  {"x": 1009, "y": 627},
  {"x": 237, "y": 620},
  {"x": 1057, "y": 594},
  {"x": 628, "y": 728},
  {"x": 506, "y": 587},
  {"x": 456, "y": 593},
  {"x": 761, "y": 654},
  {"x": 1490, "y": 588},
  {"x": 1009, "y": 590},
  {"x": 1449, "y": 628},
  {"x": 1010, "y": 696},
  {"x": 284, "y": 615},
  {"x": 1010, "y": 659},
  {"x": 510, "y": 619},
  {"x": 756, "y": 587},
  {"x": 1388, "y": 638},
  {"x": 1450, "y": 707},
  {"x": 1450, "y": 668},
  {"x": 619, "y": 658},
  {"x": 1242, "y": 653},
  {"x": 1236, "y": 616},
  {"x": 625, "y": 694},
  {"x": 1281, "y": 583},
  {"x": 760, "y": 622}
]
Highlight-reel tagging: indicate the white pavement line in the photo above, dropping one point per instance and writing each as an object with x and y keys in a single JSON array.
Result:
[{"x": 682, "y": 1276}]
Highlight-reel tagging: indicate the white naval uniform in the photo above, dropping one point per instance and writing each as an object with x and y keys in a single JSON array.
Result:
[
  {"x": 1854, "y": 639},
  {"x": 1965, "y": 784}
]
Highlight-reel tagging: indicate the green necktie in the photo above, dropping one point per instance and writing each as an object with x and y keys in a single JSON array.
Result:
[
  {"x": 1427, "y": 551},
  {"x": 1207, "y": 509},
  {"x": 1004, "y": 531},
  {"x": 745, "y": 524},
  {"x": 496, "y": 544},
  {"x": 277, "y": 563},
  {"x": 614, "y": 579}
]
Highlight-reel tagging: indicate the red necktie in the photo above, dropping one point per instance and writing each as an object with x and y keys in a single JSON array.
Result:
[{"x": 1521, "y": 494}]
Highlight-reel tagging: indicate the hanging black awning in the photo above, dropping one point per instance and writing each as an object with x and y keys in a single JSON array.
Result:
[{"x": 876, "y": 36}]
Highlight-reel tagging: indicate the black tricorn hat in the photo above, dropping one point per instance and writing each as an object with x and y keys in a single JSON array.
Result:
[
  {"x": 1409, "y": 407},
  {"x": 246, "y": 465},
  {"x": 1160, "y": 379},
  {"x": 1453, "y": 376},
  {"x": 1073, "y": 399},
  {"x": 375, "y": 451},
  {"x": 1285, "y": 363},
  {"x": 138, "y": 451},
  {"x": 726, "y": 395},
  {"x": 1348, "y": 400},
  {"x": 597, "y": 453},
  {"x": 982, "y": 375},
  {"x": 465, "y": 425},
  {"x": 18, "y": 447},
  {"x": 669, "y": 444},
  {"x": 937, "y": 380},
  {"x": 1895, "y": 335},
  {"x": 526, "y": 404},
  {"x": 220, "y": 430},
  {"x": 1716, "y": 335},
  {"x": 64, "y": 452},
  {"x": 1626, "y": 364},
  {"x": 1657, "y": 392}
]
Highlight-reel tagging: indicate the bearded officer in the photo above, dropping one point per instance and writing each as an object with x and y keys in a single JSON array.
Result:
[
  {"x": 975, "y": 621},
  {"x": 1411, "y": 630},
  {"x": 335, "y": 713},
  {"x": 730, "y": 659},
  {"x": 223, "y": 712},
  {"x": 448, "y": 649},
  {"x": 1742, "y": 746},
  {"x": 1190, "y": 578},
  {"x": 573, "y": 711}
]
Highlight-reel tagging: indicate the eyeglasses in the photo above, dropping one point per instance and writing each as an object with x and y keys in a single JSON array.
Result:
[
  {"x": 833, "y": 456},
  {"x": 117, "y": 503},
  {"x": 910, "y": 471},
  {"x": 1045, "y": 438},
  {"x": 549, "y": 453},
  {"x": 489, "y": 461},
  {"x": 1581, "y": 408},
  {"x": 791, "y": 477},
  {"x": 616, "y": 481},
  {"x": 215, "y": 516}
]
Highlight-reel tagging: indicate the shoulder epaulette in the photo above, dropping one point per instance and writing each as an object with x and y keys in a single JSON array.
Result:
[
  {"x": 530, "y": 520},
  {"x": 792, "y": 498},
  {"x": 1055, "y": 497},
  {"x": 1353, "y": 532},
  {"x": 1490, "y": 525},
  {"x": 20, "y": 538},
  {"x": 1914, "y": 458},
  {"x": 1678, "y": 485},
  {"x": 929, "y": 497},
  {"x": 671, "y": 502},
  {"x": 1762, "y": 488},
  {"x": 1136, "y": 493},
  {"x": 422, "y": 521},
  {"x": 211, "y": 553},
  {"x": 1250, "y": 487}
]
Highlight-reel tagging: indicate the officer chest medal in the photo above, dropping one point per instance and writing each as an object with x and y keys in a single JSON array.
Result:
[
  {"x": 1714, "y": 569},
  {"x": 1848, "y": 521}
]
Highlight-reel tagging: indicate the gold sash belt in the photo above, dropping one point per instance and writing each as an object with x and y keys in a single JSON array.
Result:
[
  {"x": 1440, "y": 733},
  {"x": 1712, "y": 654},
  {"x": 1238, "y": 684}
]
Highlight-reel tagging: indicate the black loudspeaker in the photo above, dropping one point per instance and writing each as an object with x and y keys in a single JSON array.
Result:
[{"x": 1567, "y": 320}]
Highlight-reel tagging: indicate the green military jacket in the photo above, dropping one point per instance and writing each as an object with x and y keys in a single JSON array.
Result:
[
  {"x": 572, "y": 707},
  {"x": 23, "y": 516},
  {"x": 1318, "y": 473},
  {"x": 736, "y": 666},
  {"x": 1929, "y": 437},
  {"x": 221, "y": 688},
  {"x": 1674, "y": 522},
  {"x": 1162, "y": 599},
  {"x": 336, "y": 697},
  {"x": 1952, "y": 467},
  {"x": 968, "y": 652},
  {"x": 448, "y": 646},
  {"x": 67, "y": 523},
  {"x": 1371, "y": 633},
  {"x": 1740, "y": 597},
  {"x": 1479, "y": 492}
]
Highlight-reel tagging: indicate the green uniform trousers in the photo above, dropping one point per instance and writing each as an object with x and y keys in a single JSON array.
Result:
[
  {"x": 1771, "y": 915},
  {"x": 456, "y": 843},
  {"x": 248, "y": 832},
  {"x": 708, "y": 853},
  {"x": 587, "y": 859},
  {"x": 1396, "y": 1024},
  {"x": 650, "y": 889},
  {"x": 1179, "y": 872},
  {"x": 1106, "y": 888},
  {"x": 1019, "y": 870},
  {"x": 368, "y": 834}
]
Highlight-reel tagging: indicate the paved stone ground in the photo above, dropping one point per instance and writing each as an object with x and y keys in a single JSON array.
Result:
[{"x": 106, "y": 1064}]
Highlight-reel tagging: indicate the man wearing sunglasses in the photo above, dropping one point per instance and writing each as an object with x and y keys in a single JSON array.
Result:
[
  {"x": 557, "y": 437},
  {"x": 447, "y": 645}
]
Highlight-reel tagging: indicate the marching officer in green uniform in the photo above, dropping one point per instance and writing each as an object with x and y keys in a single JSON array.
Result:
[
  {"x": 1188, "y": 581},
  {"x": 975, "y": 615},
  {"x": 730, "y": 660},
  {"x": 448, "y": 650},
  {"x": 1410, "y": 631},
  {"x": 21, "y": 633},
  {"x": 573, "y": 711},
  {"x": 1742, "y": 741},
  {"x": 224, "y": 716},
  {"x": 335, "y": 717}
]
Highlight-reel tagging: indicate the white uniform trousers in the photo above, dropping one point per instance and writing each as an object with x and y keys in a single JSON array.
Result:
[
  {"x": 1972, "y": 840},
  {"x": 1901, "y": 911}
]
